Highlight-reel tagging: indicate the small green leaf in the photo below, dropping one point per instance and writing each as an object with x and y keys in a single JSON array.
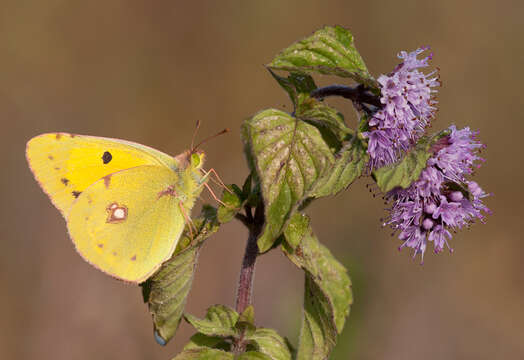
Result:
[
  {"x": 200, "y": 340},
  {"x": 329, "y": 51},
  {"x": 297, "y": 228},
  {"x": 317, "y": 335},
  {"x": 327, "y": 297},
  {"x": 290, "y": 156},
  {"x": 268, "y": 342},
  {"x": 246, "y": 322},
  {"x": 219, "y": 321},
  {"x": 233, "y": 200},
  {"x": 323, "y": 117},
  {"x": 166, "y": 291},
  {"x": 204, "y": 353},
  {"x": 248, "y": 151},
  {"x": 167, "y": 294},
  {"x": 252, "y": 355},
  {"x": 349, "y": 165},
  {"x": 246, "y": 188},
  {"x": 406, "y": 171},
  {"x": 248, "y": 316},
  {"x": 297, "y": 85}
]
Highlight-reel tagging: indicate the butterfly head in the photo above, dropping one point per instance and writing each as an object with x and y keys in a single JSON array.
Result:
[
  {"x": 197, "y": 159},
  {"x": 193, "y": 159}
]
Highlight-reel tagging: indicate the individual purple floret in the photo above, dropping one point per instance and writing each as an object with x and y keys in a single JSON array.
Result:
[
  {"x": 409, "y": 102},
  {"x": 442, "y": 199}
]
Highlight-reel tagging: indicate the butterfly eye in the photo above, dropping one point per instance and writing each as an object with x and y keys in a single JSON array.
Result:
[{"x": 195, "y": 160}]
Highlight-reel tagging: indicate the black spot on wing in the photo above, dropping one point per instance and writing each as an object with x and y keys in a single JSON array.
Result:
[
  {"x": 64, "y": 181},
  {"x": 76, "y": 193},
  {"x": 107, "y": 157}
]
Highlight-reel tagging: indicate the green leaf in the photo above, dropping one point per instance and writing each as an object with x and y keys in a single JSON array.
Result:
[
  {"x": 200, "y": 340},
  {"x": 219, "y": 321},
  {"x": 297, "y": 85},
  {"x": 327, "y": 297},
  {"x": 234, "y": 200},
  {"x": 329, "y": 51},
  {"x": 268, "y": 342},
  {"x": 248, "y": 184},
  {"x": 252, "y": 355},
  {"x": 297, "y": 228},
  {"x": 406, "y": 171},
  {"x": 246, "y": 322},
  {"x": 203, "y": 353},
  {"x": 248, "y": 316},
  {"x": 349, "y": 165},
  {"x": 290, "y": 156},
  {"x": 324, "y": 117},
  {"x": 166, "y": 291},
  {"x": 317, "y": 335},
  {"x": 328, "y": 120}
]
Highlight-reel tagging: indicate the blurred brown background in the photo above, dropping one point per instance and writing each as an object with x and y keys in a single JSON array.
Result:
[{"x": 147, "y": 70}]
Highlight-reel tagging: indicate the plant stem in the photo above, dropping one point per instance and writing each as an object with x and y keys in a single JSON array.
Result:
[
  {"x": 358, "y": 94},
  {"x": 247, "y": 271}
]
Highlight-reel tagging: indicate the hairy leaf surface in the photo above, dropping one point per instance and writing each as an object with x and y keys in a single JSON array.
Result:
[
  {"x": 297, "y": 85},
  {"x": 349, "y": 165},
  {"x": 324, "y": 117},
  {"x": 327, "y": 297},
  {"x": 406, "y": 171},
  {"x": 233, "y": 199},
  {"x": 204, "y": 353},
  {"x": 270, "y": 343},
  {"x": 166, "y": 291},
  {"x": 329, "y": 51},
  {"x": 220, "y": 321},
  {"x": 290, "y": 156}
]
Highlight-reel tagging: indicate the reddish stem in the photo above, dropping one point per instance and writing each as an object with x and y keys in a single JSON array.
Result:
[{"x": 247, "y": 271}]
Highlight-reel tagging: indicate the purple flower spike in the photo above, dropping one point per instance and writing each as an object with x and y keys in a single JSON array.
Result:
[
  {"x": 442, "y": 199},
  {"x": 408, "y": 98}
]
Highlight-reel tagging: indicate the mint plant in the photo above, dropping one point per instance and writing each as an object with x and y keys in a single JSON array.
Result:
[{"x": 296, "y": 158}]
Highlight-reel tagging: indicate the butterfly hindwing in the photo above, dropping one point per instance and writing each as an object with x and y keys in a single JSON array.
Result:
[
  {"x": 128, "y": 223},
  {"x": 65, "y": 164}
]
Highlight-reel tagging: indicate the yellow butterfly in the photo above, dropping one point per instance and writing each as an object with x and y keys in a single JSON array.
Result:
[{"x": 125, "y": 204}]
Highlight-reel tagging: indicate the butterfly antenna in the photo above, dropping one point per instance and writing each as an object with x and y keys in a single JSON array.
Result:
[
  {"x": 193, "y": 148},
  {"x": 194, "y": 134}
]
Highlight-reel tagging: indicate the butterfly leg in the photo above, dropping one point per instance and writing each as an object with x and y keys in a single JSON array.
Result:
[
  {"x": 189, "y": 222},
  {"x": 218, "y": 179},
  {"x": 172, "y": 192},
  {"x": 215, "y": 197}
]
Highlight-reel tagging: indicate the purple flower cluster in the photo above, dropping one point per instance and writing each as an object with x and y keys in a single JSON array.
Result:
[
  {"x": 408, "y": 96},
  {"x": 442, "y": 199}
]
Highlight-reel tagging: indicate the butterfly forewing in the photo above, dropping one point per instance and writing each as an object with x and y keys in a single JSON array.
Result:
[{"x": 65, "y": 164}]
